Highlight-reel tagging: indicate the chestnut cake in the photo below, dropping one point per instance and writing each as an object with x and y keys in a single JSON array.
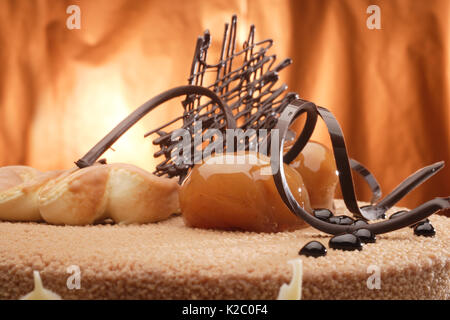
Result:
[
  {"x": 168, "y": 260},
  {"x": 114, "y": 229},
  {"x": 203, "y": 255}
]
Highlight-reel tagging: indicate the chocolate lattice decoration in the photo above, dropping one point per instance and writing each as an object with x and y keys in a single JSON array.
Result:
[{"x": 246, "y": 80}]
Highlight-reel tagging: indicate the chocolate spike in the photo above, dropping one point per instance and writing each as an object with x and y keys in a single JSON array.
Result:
[{"x": 409, "y": 184}]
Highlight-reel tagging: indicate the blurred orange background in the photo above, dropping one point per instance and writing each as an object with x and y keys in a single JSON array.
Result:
[{"x": 62, "y": 90}]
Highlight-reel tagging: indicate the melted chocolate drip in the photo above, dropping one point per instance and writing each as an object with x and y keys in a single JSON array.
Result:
[
  {"x": 365, "y": 235},
  {"x": 313, "y": 249},
  {"x": 323, "y": 214},
  {"x": 347, "y": 242},
  {"x": 424, "y": 229}
]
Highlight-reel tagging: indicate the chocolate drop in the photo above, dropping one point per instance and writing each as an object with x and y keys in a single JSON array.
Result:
[
  {"x": 347, "y": 242},
  {"x": 416, "y": 224},
  {"x": 313, "y": 249},
  {"x": 323, "y": 214},
  {"x": 365, "y": 235},
  {"x": 424, "y": 229}
]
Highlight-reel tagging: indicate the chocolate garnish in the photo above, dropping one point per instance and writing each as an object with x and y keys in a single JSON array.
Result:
[
  {"x": 292, "y": 111},
  {"x": 313, "y": 249},
  {"x": 246, "y": 95},
  {"x": 249, "y": 88},
  {"x": 424, "y": 229},
  {"x": 365, "y": 235},
  {"x": 347, "y": 242},
  {"x": 346, "y": 181},
  {"x": 323, "y": 214}
]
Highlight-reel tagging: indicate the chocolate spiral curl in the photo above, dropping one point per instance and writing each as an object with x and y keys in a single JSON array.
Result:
[
  {"x": 369, "y": 178},
  {"x": 302, "y": 140},
  {"x": 343, "y": 165},
  {"x": 294, "y": 110},
  {"x": 376, "y": 211},
  {"x": 140, "y": 112}
]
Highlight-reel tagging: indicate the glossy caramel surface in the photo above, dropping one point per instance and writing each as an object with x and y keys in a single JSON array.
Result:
[
  {"x": 317, "y": 167},
  {"x": 237, "y": 192}
]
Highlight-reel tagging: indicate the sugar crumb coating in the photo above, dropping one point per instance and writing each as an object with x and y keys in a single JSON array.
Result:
[{"x": 168, "y": 260}]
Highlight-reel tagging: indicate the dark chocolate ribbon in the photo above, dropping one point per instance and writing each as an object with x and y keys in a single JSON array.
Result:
[
  {"x": 140, "y": 112},
  {"x": 298, "y": 107},
  {"x": 369, "y": 178}
]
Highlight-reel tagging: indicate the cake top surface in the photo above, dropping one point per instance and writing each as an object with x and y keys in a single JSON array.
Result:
[{"x": 173, "y": 248}]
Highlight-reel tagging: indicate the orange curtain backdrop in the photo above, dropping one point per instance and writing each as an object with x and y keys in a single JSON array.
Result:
[{"x": 62, "y": 90}]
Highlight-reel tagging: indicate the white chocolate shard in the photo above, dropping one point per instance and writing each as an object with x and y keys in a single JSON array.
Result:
[
  {"x": 293, "y": 290},
  {"x": 39, "y": 292}
]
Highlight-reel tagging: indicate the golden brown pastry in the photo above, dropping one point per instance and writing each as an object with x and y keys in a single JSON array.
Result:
[
  {"x": 77, "y": 198},
  {"x": 122, "y": 192},
  {"x": 137, "y": 196},
  {"x": 19, "y": 189}
]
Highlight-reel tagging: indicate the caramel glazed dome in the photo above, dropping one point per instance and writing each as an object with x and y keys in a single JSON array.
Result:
[{"x": 154, "y": 261}]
